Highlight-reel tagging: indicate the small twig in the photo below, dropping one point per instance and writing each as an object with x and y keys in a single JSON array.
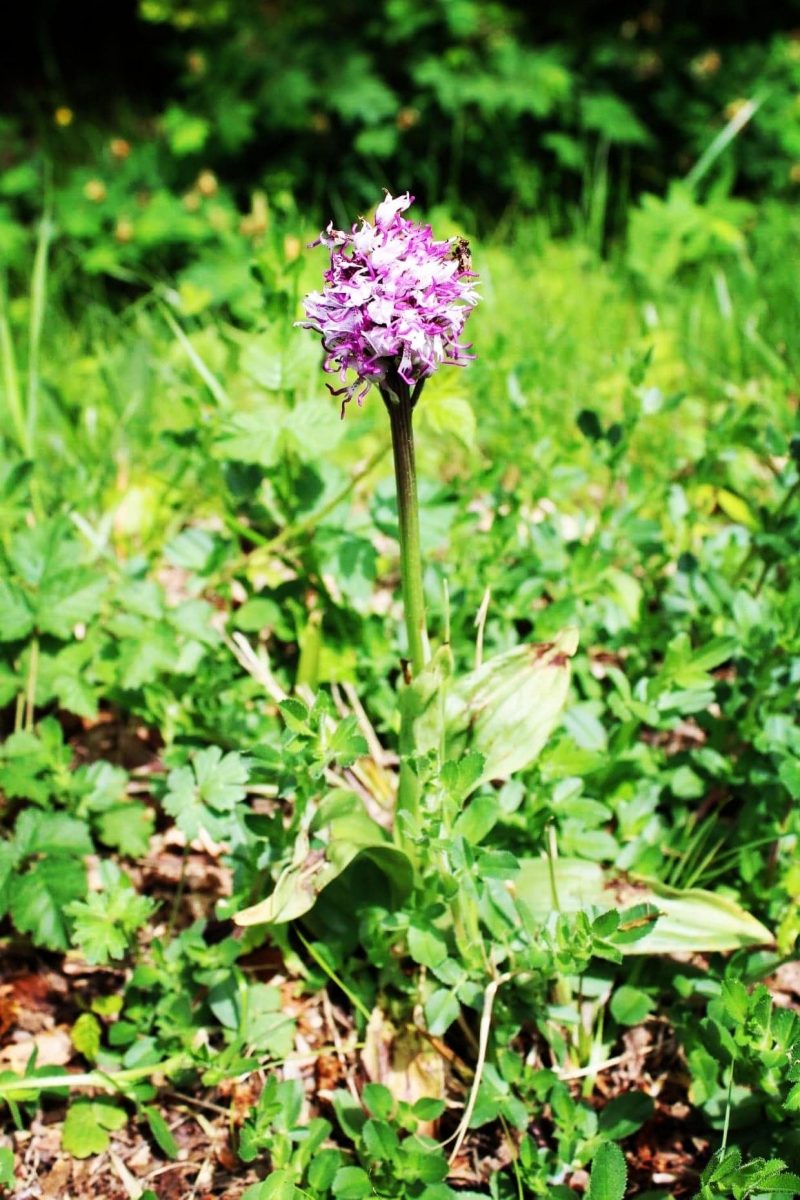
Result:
[
  {"x": 200, "y": 1176},
  {"x": 592, "y": 1069},
  {"x": 480, "y": 625},
  {"x": 129, "y": 1181},
  {"x": 483, "y": 1046},
  {"x": 176, "y": 903},
  {"x": 254, "y": 665},
  {"x": 465, "y": 1029},
  {"x": 337, "y": 1042},
  {"x": 196, "y": 1102},
  {"x": 379, "y": 755},
  {"x": 353, "y": 785},
  {"x": 173, "y": 1166}
]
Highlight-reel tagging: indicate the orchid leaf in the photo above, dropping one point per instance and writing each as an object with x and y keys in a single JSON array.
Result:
[{"x": 690, "y": 920}]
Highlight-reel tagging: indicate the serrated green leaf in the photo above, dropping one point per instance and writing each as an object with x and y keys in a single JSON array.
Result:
[
  {"x": 786, "y": 1184},
  {"x": 40, "y": 897},
  {"x": 609, "y": 1174},
  {"x": 105, "y": 922},
  {"x": 251, "y": 438},
  {"x": 127, "y": 828},
  {"x": 76, "y": 695},
  {"x": 201, "y": 795},
  {"x": 347, "y": 743},
  {"x": 46, "y": 548},
  {"x": 50, "y": 833},
  {"x": 723, "y": 1164},
  {"x": 68, "y": 600},
  {"x": 16, "y": 618},
  {"x": 312, "y": 428},
  {"x": 735, "y": 999},
  {"x": 220, "y": 778},
  {"x": 460, "y": 776},
  {"x": 295, "y": 714}
]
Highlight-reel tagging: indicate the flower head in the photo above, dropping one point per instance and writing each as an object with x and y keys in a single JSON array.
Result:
[{"x": 394, "y": 303}]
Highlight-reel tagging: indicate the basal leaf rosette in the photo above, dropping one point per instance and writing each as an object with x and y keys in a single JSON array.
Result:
[{"x": 394, "y": 304}]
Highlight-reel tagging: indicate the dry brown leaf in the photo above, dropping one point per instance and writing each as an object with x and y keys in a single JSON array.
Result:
[
  {"x": 402, "y": 1060},
  {"x": 56, "y": 1182},
  {"x": 53, "y": 1046}
]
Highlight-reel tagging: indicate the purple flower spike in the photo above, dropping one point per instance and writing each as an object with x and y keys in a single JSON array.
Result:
[{"x": 394, "y": 303}]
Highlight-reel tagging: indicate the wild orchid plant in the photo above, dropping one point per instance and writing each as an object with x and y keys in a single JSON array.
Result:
[{"x": 392, "y": 311}]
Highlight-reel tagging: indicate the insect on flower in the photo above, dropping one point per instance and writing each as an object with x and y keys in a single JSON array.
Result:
[{"x": 463, "y": 255}]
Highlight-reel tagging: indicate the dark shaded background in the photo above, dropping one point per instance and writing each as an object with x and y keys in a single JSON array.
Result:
[{"x": 329, "y": 101}]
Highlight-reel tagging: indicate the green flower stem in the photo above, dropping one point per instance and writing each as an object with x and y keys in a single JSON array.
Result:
[
  {"x": 108, "y": 1081},
  {"x": 400, "y": 403},
  {"x": 400, "y": 406}
]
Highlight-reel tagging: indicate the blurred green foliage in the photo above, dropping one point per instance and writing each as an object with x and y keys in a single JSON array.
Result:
[{"x": 502, "y": 108}]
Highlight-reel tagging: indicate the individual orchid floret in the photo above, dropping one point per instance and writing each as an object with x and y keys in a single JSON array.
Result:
[{"x": 394, "y": 304}]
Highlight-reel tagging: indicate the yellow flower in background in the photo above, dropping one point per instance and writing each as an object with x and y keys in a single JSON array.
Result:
[
  {"x": 292, "y": 247},
  {"x": 256, "y": 221},
  {"x": 63, "y": 116},
  {"x": 95, "y": 190},
  {"x": 207, "y": 183},
  {"x": 706, "y": 64}
]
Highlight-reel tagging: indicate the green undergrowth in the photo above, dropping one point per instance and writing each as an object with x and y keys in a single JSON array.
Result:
[{"x": 196, "y": 549}]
